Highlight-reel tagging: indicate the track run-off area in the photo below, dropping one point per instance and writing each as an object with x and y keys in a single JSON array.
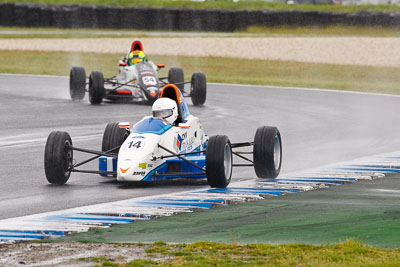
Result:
[{"x": 319, "y": 128}]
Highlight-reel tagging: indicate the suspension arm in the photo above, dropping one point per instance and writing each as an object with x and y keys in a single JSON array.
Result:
[
  {"x": 99, "y": 153},
  {"x": 240, "y": 156},
  {"x": 244, "y": 144},
  {"x": 182, "y": 158},
  {"x": 97, "y": 156}
]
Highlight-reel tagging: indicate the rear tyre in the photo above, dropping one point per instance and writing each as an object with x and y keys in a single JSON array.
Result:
[
  {"x": 175, "y": 75},
  {"x": 267, "y": 152},
  {"x": 113, "y": 137},
  {"x": 77, "y": 83},
  {"x": 198, "y": 88},
  {"x": 96, "y": 87},
  {"x": 58, "y": 157},
  {"x": 219, "y": 161}
]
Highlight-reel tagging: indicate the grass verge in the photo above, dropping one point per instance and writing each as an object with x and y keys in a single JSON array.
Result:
[
  {"x": 221, "y": 70},
  {"x": 371, "y": 31},
  {"x": 349, "y": 253},
  {"x": 220, "y": 4},
  {"x": 365, "y": 211}
]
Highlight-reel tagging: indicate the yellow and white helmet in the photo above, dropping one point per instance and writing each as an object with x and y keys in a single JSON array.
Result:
[{"x": 137, "y": 56}]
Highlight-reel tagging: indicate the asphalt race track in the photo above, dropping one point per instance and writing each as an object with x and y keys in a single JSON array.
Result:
[{"x": 318, "y": 127}]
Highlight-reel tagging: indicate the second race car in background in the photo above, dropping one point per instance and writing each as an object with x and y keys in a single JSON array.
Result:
[{"x": 134, "y": 83}]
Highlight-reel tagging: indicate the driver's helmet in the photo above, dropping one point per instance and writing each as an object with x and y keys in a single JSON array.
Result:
[
  {"x": 165, "y": 108},
  {"x": 137, "y": 56}
]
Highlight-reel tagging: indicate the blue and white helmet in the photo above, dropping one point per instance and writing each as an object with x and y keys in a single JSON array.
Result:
[{"x": 165, "y": 108}]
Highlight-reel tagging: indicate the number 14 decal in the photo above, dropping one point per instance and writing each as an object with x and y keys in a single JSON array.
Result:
[{"x": 137, "y": 145}]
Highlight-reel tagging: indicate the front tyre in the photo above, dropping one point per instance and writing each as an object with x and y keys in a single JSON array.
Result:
[
  {"x": 267, "y": 152},
  {"x": 58, "y": 157},
  {"x": 175, "y": 75},
  {"x": 113, "y": 137},
  {"x": 96, "y": 87},
  {"x": 219, "y": 161},
  {"x": 77, "y": 83},
  {"x": 198, "y": 88}
]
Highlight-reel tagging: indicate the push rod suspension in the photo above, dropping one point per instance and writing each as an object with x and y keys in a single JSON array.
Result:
[
  {"x": 243, "y": 152},
  {"x": 99, "y": 153},
  {"x": 182, "y": 158},
  {"x": 240, "y": 156},
  {"x": 107, "y": 153},
  {"x": 234, "y": 145},
  {"x": 122, "y": 84},
  {"x": 183, "y": 154}
]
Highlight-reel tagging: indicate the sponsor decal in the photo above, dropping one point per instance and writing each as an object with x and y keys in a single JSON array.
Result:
[
  {"x": 139, "y": 173},
  {"x": 179, "y": 142},
  {"x": 184, "y": 136},
  {"x": 143, "y": 165},
  {"x": 183, "y": 143},
  {"x": 124, "y": 170},
  {"x": 147, "y": 73},
  {"x": 138, "y": 136}
]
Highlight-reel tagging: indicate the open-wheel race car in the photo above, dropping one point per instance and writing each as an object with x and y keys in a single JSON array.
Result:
[
  {"x": 154, "y": 150},
  {"x": 134, "y": 83}
]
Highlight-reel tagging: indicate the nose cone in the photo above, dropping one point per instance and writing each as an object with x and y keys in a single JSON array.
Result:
[
  {"x": 132, "y": 170},
  {"x": 124, "y": 169}
]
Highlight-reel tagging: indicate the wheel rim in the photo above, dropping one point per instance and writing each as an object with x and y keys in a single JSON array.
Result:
[
  {"x": 277, "y": 152},
  {"x": 68, "y": 158},
  {"x": 227, "y": 161}
]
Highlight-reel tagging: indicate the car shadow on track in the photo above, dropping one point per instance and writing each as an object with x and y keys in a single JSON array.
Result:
[{"x": 165, "y": 183}]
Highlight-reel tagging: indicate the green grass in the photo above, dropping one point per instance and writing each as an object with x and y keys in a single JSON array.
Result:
[
  {"x": 221, "y": 70},
  {"x": 220, "y": 4},
  {"x": 48, "y": 32},
  {"x": 349, "y": 253},
  {"x": 322, "y": 31},
  {"x": 357, "y": 211}
]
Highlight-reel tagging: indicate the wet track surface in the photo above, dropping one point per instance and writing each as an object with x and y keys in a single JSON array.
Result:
[{"x": 317, "y": 128}]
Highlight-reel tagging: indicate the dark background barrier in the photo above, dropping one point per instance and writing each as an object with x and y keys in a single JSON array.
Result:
[{"x": 143, "y": 18}]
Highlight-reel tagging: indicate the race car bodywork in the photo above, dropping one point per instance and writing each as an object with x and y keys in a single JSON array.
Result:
[
  {"x": 136, "y": 83},
  {"x": 153, "y": 150}
]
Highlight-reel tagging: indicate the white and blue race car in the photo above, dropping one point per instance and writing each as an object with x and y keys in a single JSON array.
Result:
[{"x": 153, "y": 150}]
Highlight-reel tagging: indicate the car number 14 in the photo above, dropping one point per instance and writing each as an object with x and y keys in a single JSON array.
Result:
[{"x": 136, "y": 145}]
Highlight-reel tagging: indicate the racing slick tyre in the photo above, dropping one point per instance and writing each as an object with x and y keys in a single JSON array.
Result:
[
  {"x": 198, "y": 88},
  {"x": 267, "y": 152},
  {"x": 175, "y": 75},
  {"x": 219, "y": 161},
  {"x": 58, "y": 157},
  {"x": 96, "y": 87},
  {"x": 113, "y": 137},
  {"x": 77, "y": 83}
]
